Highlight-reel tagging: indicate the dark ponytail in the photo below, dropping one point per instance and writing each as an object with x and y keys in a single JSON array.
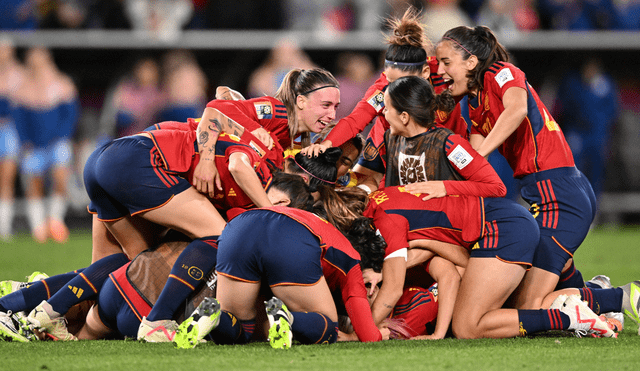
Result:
[
  {"x": 321, "y": 170},
  {"x": 408, "y": 43},
  {"x": 481, "y": 42},
  {"x": 414, "y": 95}
]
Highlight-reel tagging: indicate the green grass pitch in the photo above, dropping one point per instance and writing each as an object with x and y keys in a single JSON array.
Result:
[{"x": 614, "y": 252}]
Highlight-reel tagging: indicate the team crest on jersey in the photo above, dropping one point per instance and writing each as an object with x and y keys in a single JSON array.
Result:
[
  {"x": 370, "y": 152},
  {"x": 460, "y": 157},
  {"x": 377, "y": 100},
  {"x": 504, "y": 76},
  {"x": 411, "y": 168},
  {"x": 263, "y": 110},
  {"x": 486, "y": 102},
  {"x": 442, "y": 116},
  {"x": 257, "y": 148}
]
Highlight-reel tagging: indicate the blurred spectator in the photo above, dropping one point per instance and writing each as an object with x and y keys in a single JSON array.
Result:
[
  {"x": 442, "y": 15},
  {"x": 18, "y": 14},
  {"x": 355, "y": 73},
  {"x": 506, "y": 18},
  {"x": 577, "y": 15},
  {"x": 70, "y": 14},
  {"x": 135, "y": 101},
  {"x": 285, "y": 56},
  {"x": 11, "y": 75},
  {"x": 627, "y": 14},
  {"x": 164, "y": 19},
  {"x": 185, "y": 87},
  {"x": 108, "y": 14},
  {"x": 246, "y": 14},
  {"x": 587, "y": 110},
  {"x": 46, "y": 115}
]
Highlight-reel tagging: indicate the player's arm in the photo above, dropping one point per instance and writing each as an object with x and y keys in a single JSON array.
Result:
[
  {"x": 243, "y": 173},
  {"x": 514, "y": 101},
  {"x": 211, "y": 124},
  {"x": 368, "y": 179},
  {"x": 446, "y": 275},
  {"x": 394, "y": 271}
]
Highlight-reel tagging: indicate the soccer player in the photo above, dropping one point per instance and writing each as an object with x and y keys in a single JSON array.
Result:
[
  {"x": 299, "y": 267},
  {"x": 501, "y": 238},
  {"x": 508, "y": 115},
  {"x": 405, "y": 56}
]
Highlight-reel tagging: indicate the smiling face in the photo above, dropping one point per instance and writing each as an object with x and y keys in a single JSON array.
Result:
[
  {"x": 393, "y": 117},
  {"x": 453, "y": 68},
  {"x": 316, "y": 110},
  {"x": 349, "y": 156}
]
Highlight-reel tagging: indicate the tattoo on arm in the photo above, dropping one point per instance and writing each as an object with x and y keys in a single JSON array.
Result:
[
  {"x": 216, "y": 127},
  {"x": 388, "y": 306},
  {"x": 204, "y": 138}
]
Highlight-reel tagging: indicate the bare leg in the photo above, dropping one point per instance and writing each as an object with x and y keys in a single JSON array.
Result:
[
  {"x": 487, "y": 283},
  {"x": 93, "y": 328},
  {"x": 535, "y": 286}
]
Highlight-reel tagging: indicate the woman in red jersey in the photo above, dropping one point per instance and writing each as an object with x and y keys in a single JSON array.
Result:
[
  {"x": 508, "y": 115},
  {"x": 405, "y": 56}
]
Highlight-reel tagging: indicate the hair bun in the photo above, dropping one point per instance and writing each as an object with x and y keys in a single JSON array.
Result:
[{"x": 331, "y": 155}]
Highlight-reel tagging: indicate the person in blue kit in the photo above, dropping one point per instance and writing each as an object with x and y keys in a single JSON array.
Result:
[
  {"x": 46, "y": 115},
  {"x": 588, "y": 107},
  {"x": 11, "y": 75}
]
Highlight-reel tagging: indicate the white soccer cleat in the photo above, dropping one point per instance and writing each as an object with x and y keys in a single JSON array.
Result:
[
  {"x": 602, "y": 281},
  {"x": 13, "y": 327},
  {"x": 160, "y": 331},
  {"x": 44, "y": 319},
  {"x": 631, "y": 300},
  {"x": 280, "y": 321},
  {"x": 582, "y": 319}
]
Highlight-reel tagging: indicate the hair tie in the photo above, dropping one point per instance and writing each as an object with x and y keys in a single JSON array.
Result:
[
  {"x": 318, "y": 88},
  {"x": 393, "y": 63},
  {"x": 305, "y": 170},
  {"x": 460, "y": 45}
]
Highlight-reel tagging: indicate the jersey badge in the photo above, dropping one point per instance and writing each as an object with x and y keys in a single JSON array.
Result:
[
  {"x": 232, "y": 193},
  {"x": 504, "y": 76},
  {"x": 411, "y": 168},
  {"x": 550, "y": 123},
  {"x": 460, "y": 157},
  {"x": 263, "y": 110},
  {"x": 370, "y": 152},
  {"x": 257, "y": 148},
  {"x": 377, "y": 100}
]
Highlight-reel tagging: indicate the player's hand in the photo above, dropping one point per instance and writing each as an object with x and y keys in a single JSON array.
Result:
[
  {"x": 371, "y": 280},
  {"x": 385, "y": 332},
  {"x": 226, "y": 93},
  {"x": 314, "y": 150},
  {"x": 342, "y": 336},
  {"x": 205, "y": 176},
  {"x": 263, "y": 135},
  {"x": 431, "y": 188}
]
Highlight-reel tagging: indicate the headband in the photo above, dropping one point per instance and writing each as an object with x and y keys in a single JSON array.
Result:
[
  {"x": 305, "y": 170},
  {"x": 318, "y": 88},
  {"x": 386, "y": 61},
  {"x": 460, "y": 45}
]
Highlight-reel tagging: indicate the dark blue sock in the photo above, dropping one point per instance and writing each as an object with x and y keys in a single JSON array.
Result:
[
  {"x": 603, "y": 300},
  {"x": 231, "y": 330},
  {"x": 314, "y": 328},
  {"x": 86, "y": 284},
  {"x": 571, "y": 278},
  {"x": 28, "y": 298},
  {"x": 535, "y": 320},
  {"x": 189, "y": 270}
]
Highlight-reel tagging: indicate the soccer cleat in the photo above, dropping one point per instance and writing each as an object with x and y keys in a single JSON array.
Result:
[
  {"x": 14, "y": 328},
  {"x": 280, "y": 321},
  {"x": 558, "y": 302},
  {"x": 582, "y": 319},
  {"x": 631, "y": 300},
  {"x": 601, "y": 281},
  {"x": 40, "y": 234},
  {"x": 204, "y": 318},
  {"x": 44, "y": 319},
  {"x": 160, "y": 331},
  {"x": 8, "y": 287},
  {"x": 37, "y": 276}
]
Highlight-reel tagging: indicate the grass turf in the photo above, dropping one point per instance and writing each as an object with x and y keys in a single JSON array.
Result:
[{"x": 605, "y": 251}]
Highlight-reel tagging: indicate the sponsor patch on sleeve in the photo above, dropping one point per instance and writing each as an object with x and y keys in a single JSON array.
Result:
[
  {"x": 503, "y": 76},
  {"x": 263, "y": 110},
  {"x": 460, "y": 157},
  {"x": 377, "y": 100}
]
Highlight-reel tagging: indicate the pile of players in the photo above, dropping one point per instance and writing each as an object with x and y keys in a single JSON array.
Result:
[{"x": 198, "y": 225}]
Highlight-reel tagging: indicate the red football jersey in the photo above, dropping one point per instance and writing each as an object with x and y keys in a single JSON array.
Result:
[
  {"x": 454, "y": 219},
  {"x": 178, "y": 149},
  {"x": 538, "y": 143},
  {"x": 417, "y": 307}
]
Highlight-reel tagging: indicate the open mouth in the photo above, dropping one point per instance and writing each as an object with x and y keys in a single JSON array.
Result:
[{"x": 448, "y": 83}]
